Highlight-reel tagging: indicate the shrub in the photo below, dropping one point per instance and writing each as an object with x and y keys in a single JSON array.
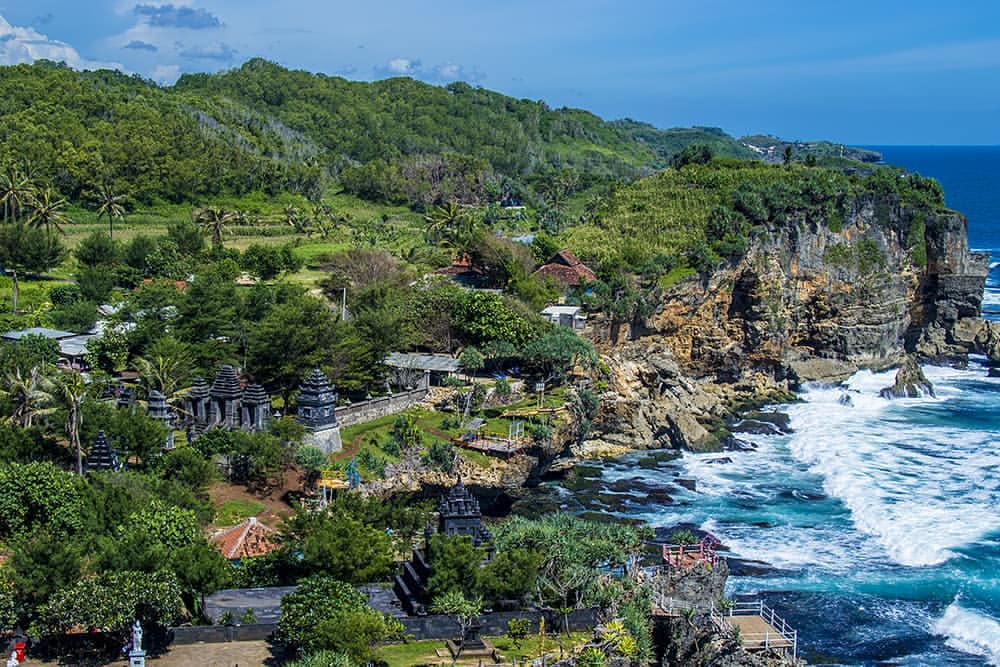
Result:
[{"x": 440, "y": 454}]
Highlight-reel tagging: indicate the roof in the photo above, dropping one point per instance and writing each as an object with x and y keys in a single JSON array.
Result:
[
  {"x": 461, "y": 267},
  {"x": 74, "y": 346},
  {"x": 53, "y": 334},
  {"x": 246, "y": 540},
  {"x": 424, "y": 362},
  {"x": 566, "y": 268},
  {"x": 562, "y": 310}
]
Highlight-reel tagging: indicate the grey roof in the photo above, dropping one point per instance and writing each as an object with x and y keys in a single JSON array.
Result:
[
  {"x": 74, "y": 346},
  {"x": 54, "y": 334},
  {"x": 424, "y": 362}
]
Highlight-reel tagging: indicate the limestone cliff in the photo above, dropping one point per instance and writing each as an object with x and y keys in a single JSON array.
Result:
[{"x": 805, "y": 302}]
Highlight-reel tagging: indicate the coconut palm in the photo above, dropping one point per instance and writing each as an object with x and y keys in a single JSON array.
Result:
[
  {"x": 444, "y": 222},
  {"x": 213, "y": 221},
  {"x": 47, "y": 211},
  {"x": 26, "y": 395},
  {"x": 16, "y": 190},
  {"x": 68, "y": 390},
  {"x": 166, "y": 367},
  {"x": 111, "y": 204}
]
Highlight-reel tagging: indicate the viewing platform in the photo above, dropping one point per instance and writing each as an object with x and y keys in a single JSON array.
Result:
[
  {"x": 684, "y": 556},
  {"x": 759, "y": 627},
  {"x": 487, "y": 442}
]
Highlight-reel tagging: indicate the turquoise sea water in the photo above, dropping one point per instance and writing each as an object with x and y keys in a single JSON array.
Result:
[{"x": 878, "y": 521}]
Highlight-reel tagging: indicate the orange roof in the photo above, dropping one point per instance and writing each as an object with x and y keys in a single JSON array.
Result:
[
  {"x": 564, "y": 267},
  {"x": 179, "y": 284},
  {"x": 246, "y": 540}
]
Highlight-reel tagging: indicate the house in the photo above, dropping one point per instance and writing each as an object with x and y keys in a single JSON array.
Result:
[
  {"x": 464, "y": 272},
  {"x": 566, "y": 269},
  {"x": 566, "y": 316}
]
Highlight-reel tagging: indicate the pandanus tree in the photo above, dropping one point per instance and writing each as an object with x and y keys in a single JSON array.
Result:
[{"x": 111, "y": 204}]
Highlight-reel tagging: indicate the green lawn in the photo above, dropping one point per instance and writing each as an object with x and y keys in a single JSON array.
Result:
[
  {"x": 233, "y": 512},
  {"x": 412, "y": 654}
]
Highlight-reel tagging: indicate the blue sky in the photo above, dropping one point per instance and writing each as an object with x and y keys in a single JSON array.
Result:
[{"x": 872, "y": 72}]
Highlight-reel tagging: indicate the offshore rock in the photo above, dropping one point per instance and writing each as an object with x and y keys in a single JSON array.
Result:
[{"x": 910, "y": 382}]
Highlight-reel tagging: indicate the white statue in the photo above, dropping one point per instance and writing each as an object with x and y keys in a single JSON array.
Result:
[
  {"x": 12, "y": 662},
  {"x": 136, "y": 636}
]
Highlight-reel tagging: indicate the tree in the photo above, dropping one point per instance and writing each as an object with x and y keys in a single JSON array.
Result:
[
  {"x": 188, "y": 467},
  {"x": 111, "y": 601},
  {"x": 510, "y": 575},
  {"x": 213, "y": 221},
  {"x": 187, "y": 237},
  {"x": 201, "y": 570},
  {"x": 96, "y": 249},
  {"x": 454, "y": 565},
  {"x": 463, "y": 609},
  {"x": 29, "y": 352},
  {"x": 47, "y": 211},
  {"x": 338, "y": 546},
  {"x": 38, "y": 495},
  {"x": 68, "y": 390},
  {"x": 109, "y": 203},
  {"x": 292, "y": 339},
  {"x": 787, "y": 154},
  {"x": 267, "y": 262},
  {"x": 27, "y": 249},
  {"x": 78, "y": 317},
  {"x": 326, "y": 614},
  {"x": 16, "y": 190},
  {"x": 693, "y": 154},
  {"x": 472, "y": 361},
  {"x": 167, "y": 365},
  {"x": 25, "y": 392},
  {"x": 558, "y": 351}
]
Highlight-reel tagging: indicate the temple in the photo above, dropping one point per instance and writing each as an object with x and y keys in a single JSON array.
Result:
[
  {"x": 458, "y": 515},
  {"x": 156, "y": 406},
  {"x": 317, "y": 411},
  {"x": 226, "y": 404}
]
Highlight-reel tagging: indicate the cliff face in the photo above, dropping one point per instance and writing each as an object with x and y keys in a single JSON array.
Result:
[{"x": 804, "y": 303}]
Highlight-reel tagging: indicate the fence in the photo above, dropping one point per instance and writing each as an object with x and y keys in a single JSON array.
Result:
[
  {"x": 364, "y": 411},
  {"x": 771, "y": 633}
]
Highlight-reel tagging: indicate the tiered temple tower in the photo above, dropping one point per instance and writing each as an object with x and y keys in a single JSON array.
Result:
[
  {"x": 102, "y": 455},
  {"x": 459, "y": 514},
  {"x": 317, "y": 406},
  {"x": 158, "y": 409}
]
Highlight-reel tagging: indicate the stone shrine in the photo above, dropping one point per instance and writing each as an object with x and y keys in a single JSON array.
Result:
[
  {"x": 226, "y": 404},
  {"x": 102, "y": 455},
  {"x": 317, "y": 411},
  {"x": 156, "y": 406},
  {"x": 459, "y": 514}
]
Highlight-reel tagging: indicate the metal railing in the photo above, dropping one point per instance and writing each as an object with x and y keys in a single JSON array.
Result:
[{"x": 783, "y": 638}]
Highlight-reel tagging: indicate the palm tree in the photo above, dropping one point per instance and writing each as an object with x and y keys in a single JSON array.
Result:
[
  {"x": 213, "y": 221},
  {"x": 444, "y": 222},
  {"x": 16, "y": 190},
  {"x": 111, "y": 204},
  {"x": 293, "y": 218},
  {"x": 68, "y": 390},
  {"x": 26, "y": 396},
  {"x": 47, "y": 211},
  {"x": 167, "y": 366}
]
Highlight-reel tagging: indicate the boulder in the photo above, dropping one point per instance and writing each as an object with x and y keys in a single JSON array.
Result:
[{"x": 910, "y": 382}]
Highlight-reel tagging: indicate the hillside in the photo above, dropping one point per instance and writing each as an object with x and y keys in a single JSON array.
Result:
[{"x": 265, "y": 128}]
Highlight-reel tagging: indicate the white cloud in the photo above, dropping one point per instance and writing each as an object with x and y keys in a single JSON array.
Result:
[
  {"x": 26, "y": 45},
  {"x": 166, "y": 74},
  {"x": 404, "y": 66}
]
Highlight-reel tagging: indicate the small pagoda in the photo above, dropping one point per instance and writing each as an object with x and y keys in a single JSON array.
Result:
[
  {"x": 156, "y": 406},
  {"x": 317, "y": 411},
  {"x": 102, "y": 455}
]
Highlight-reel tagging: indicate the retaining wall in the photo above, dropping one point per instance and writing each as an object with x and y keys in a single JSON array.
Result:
[{"x": 358, "y": 413}]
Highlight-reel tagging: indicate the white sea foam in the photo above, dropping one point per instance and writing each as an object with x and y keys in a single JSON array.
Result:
[
  {"x": 970, "y": 632},
  {"x": 918, "y": 489},
  {"x": 991, "y": 297}
]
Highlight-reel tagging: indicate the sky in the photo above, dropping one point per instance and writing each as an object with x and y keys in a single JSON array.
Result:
[{"x": 859, "y": 72}]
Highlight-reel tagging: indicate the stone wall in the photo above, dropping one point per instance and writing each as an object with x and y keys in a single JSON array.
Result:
[
  {"x": 495, "y": 623},
  {"x": 358, "y": 413},
  {"x": 214, "y": 634}
]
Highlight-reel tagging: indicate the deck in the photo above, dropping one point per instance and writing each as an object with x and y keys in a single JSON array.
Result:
[
  {"x": 759, "y": 627},
  {"x": 758, "y": 634}
]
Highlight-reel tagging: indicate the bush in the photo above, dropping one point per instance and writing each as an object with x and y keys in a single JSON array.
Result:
[
  {"x": 324, "y": 614},
  {"x": 63, "y": 295},
  {"x": 440, "y": 454}
]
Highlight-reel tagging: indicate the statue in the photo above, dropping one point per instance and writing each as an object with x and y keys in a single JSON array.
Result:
[
  {"x": 12, "y": 662},
  {"x": 136, "y": 636}
]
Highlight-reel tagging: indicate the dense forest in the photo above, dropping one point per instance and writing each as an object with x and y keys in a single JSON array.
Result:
[{"x": 265, "y": 128}]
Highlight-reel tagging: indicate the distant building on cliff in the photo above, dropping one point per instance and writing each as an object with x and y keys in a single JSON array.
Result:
[{"x": 566, "y": 269}]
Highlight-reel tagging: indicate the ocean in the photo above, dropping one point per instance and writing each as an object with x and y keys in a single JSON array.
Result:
[{"x": 875, "y": 525}]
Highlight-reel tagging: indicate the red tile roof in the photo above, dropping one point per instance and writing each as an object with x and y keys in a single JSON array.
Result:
[
  {"x": 246, "y": 540},
  {"x": 564, "y": 267}
]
